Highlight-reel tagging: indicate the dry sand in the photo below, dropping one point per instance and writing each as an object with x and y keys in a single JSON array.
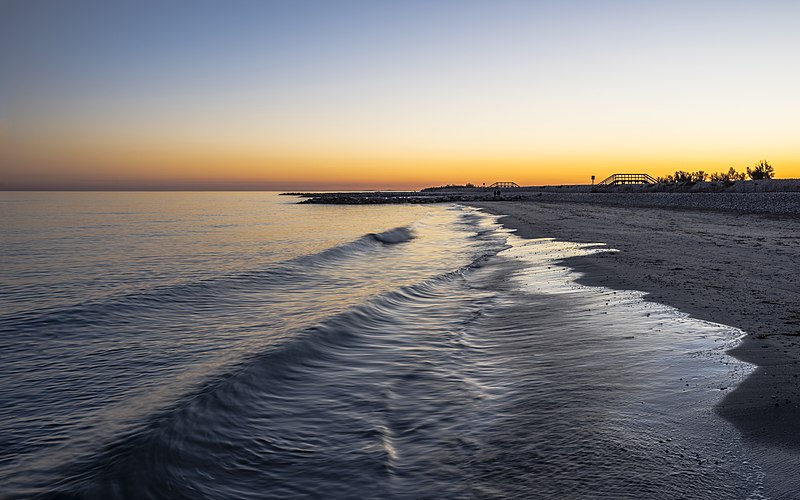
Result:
[{"x": 732, "y": 268}]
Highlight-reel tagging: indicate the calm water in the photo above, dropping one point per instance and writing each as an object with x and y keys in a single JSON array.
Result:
[{"x": 238, "y": 345}]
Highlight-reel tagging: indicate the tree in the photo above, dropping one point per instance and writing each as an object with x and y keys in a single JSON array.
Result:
[
  {"x": 719, "y": 177},
  {"x": 736, "y": 176},
  {"x": 761, "y": 170},
  {"x": 730, "y": 175},
  {"x": 699, "y": 176}
]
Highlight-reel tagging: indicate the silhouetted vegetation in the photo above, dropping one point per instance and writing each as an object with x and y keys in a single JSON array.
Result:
[
  {"x": 761, "y": 170},
  {"x": 678, "y": 176},
  {"x": 729, "y": 176}
]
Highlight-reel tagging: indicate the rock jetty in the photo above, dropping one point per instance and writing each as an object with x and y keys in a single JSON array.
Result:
[{"x": 776, "y": 196}]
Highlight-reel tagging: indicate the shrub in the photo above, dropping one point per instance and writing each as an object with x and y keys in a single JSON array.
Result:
[
  {"x": 730, "y": 175},
  {"x": 733, "y": 175},
  {"x": 719, "y": 177},
  {"x": 761, "y": 170}
]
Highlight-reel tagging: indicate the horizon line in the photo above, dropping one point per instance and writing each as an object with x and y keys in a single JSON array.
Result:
[{"x": 308, "y": 189}]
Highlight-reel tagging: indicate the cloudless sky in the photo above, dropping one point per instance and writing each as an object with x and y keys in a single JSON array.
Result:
[{"x": 377, "y": 94}]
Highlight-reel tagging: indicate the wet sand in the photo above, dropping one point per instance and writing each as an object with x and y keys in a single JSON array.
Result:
[{"x": 737, "y": 269}]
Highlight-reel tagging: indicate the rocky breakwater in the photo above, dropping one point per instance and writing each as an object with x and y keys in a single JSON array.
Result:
[
  {"x": 396, "y": 197},
  {"x": 775, "y": 196}
]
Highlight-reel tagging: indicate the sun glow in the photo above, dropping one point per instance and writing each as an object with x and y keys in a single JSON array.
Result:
[{"x": 534, "y": 94}]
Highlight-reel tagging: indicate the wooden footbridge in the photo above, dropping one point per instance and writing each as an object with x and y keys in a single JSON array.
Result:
[
  {"x": 504, "y": 185},
  {"x": 617, "y": 179}
]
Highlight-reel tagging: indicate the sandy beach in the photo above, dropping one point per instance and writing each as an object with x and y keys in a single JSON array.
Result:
[{"x": 738, "y": 269}]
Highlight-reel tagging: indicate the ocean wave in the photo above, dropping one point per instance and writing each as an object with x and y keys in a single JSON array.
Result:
[
  {"x": 394, "y": 236},
  {"x": 291, "y": 274},
  {"x": 119, "y": 360},
  {"x": 266, "y": 404}
]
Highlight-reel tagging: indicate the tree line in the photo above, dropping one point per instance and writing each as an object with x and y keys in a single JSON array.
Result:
[{"x": 761, "y": 170}]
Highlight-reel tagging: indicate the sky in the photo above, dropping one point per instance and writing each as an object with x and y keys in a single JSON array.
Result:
[{"x": 293, "y": 95}]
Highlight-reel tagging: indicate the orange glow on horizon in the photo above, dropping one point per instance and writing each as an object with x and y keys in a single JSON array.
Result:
[
  {"x": 247, "y": 155},
  {"x": 156, "y": 168}
]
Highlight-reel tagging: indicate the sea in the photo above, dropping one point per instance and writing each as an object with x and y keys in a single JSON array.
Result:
[{"x": 241, "y": 345}]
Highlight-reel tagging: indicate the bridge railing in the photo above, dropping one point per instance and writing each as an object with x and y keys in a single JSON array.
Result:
[
  {"x": 500, "y": 185},
  {"x": 615, "y": 179}
]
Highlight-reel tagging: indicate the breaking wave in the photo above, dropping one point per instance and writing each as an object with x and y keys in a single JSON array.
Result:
[{"x": 394, "y": 236}]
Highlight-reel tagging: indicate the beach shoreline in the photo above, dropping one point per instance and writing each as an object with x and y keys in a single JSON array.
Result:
[{"x": 733, "y": 268}]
